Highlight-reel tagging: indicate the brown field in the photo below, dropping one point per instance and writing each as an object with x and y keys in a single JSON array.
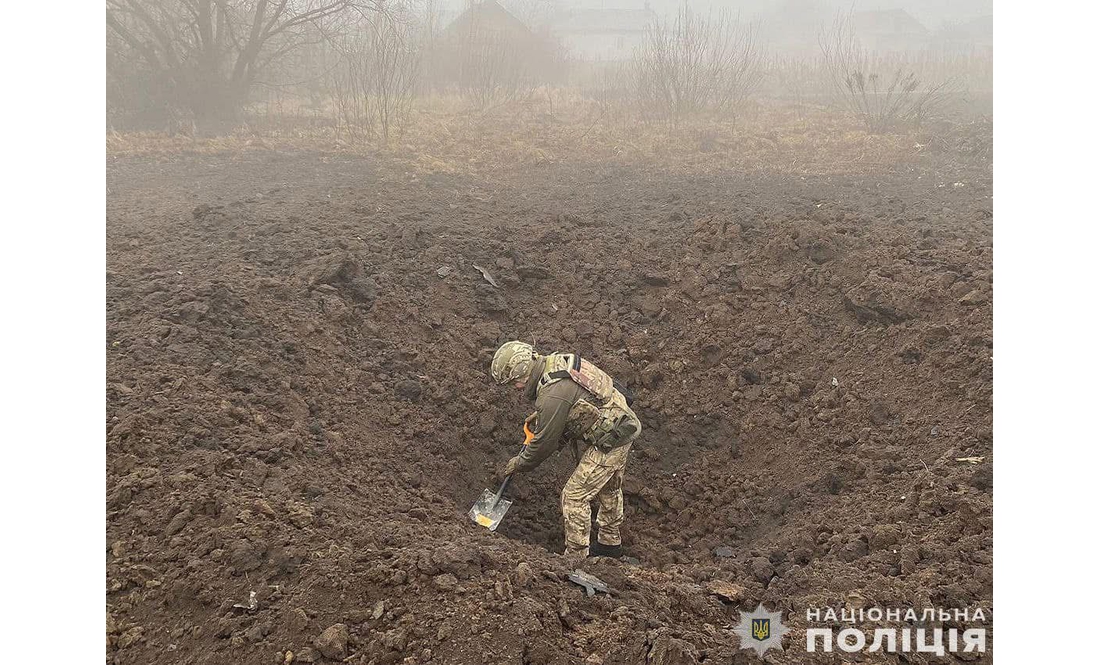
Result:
[{"x": 299, "y": 404}]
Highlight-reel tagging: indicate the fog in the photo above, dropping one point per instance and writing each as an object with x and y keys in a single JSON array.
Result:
[
  {"x": 365, "y": 66},
  {"x": 769, "y": 223}
]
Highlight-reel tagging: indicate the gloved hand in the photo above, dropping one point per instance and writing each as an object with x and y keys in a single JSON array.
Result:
[
  {"x": 530, "y": 420},
  {"x": 507, "y": 468}
]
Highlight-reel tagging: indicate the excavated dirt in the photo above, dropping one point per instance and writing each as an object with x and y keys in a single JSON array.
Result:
[{"x": 298, "y": 404}]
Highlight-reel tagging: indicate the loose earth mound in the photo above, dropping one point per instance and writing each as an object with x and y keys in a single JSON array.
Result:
[{"x": 299, "y": 412}]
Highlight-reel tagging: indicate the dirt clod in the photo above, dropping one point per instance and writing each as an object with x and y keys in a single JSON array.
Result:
[
  {"x": 762, "y": 569},
  {"x": 668, "y": 650},
  {"x": 333, "y": 642},
  {"x": 298, "y": 620},
  {"x": 524, "y": 575},
  {"x": 446, "y": 581},
  {"x": 726, "y": 590},
  {"x": 409, "y": 389}
]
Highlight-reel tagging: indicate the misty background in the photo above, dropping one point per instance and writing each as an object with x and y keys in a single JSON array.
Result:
[{"x": 368, "y": 70}]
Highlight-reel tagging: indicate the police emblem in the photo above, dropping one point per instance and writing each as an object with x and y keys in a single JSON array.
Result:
[{"x": 761, "y": 630}]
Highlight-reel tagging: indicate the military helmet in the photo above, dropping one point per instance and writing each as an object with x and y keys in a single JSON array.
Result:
[{"x": 512, "y": 361}]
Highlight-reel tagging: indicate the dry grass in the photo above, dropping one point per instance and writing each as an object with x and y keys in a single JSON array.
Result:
[{"x": 554, "y": 126}]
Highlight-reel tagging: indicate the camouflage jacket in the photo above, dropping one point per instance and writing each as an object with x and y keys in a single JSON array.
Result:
[{"x": 568, "y": 411}]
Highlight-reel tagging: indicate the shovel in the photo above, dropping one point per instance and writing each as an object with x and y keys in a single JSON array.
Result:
[{"x": 489, "y": 509}]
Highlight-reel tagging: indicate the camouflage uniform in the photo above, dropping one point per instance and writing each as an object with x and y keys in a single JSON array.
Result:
[
  {"x": 599, "y": 476},
  {"x": 579, "y": 403}
]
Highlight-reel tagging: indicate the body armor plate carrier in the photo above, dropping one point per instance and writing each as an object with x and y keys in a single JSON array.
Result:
[{"x": 604, "y": 419}]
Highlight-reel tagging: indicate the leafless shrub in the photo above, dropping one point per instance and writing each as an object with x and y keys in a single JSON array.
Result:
[
  {"x": 374, "y": 79},
  {"x": 696, "y": 63},
  {"x": 883, "y": 93},
  {"x": 491, "y": 68},
  {"x": 612, "y": 89}
]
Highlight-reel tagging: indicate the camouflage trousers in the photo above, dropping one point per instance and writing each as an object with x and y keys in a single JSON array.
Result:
[{"x": 598, "y": 477}]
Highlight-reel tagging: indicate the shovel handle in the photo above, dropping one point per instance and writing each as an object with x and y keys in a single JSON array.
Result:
[
  {"x": 500, "y": 492},
  {"x": 527, "y": 436}
]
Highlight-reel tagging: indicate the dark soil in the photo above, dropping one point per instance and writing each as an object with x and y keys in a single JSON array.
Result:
[{"x": 299, "y": 403}]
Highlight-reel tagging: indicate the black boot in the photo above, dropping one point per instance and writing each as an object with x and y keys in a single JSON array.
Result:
[{"x": 610, "y": 551}]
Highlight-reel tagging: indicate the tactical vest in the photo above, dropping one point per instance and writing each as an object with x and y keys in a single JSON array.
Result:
[{"x": 604, "y": 419}]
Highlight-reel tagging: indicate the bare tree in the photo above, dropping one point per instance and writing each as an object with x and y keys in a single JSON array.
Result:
[
  {"x": 882, "y": 94},
  {"x": 206, "y": 55},
  {"x": 695, "y": 63}
]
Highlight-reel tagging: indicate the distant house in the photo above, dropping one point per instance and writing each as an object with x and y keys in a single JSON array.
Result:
[
  {"x": 486, "y": 18},
  {"x": 889, "y": 30},
  {"x": 602, "y": 34},
  {"x": 487, "y": 49}
]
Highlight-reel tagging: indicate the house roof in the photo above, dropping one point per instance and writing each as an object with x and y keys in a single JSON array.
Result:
[
  {"x": 887, "y": 22},
  {"x": 486, "y": 13},
  {"x": 580, "y": 20}
]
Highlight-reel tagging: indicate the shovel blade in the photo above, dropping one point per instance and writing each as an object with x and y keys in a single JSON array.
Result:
[{"x": 488, "y": 510}]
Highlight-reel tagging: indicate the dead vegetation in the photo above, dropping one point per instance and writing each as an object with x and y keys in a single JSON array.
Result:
[
  {"x": 442, "y": 136},
  {"x": 203, "y": 59},
  {"x": 374, "y": 76},
  {"x": 882, "y": 93},
  {"x": 364, "y": 71},
  {"x": 695, "y": 64}
]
